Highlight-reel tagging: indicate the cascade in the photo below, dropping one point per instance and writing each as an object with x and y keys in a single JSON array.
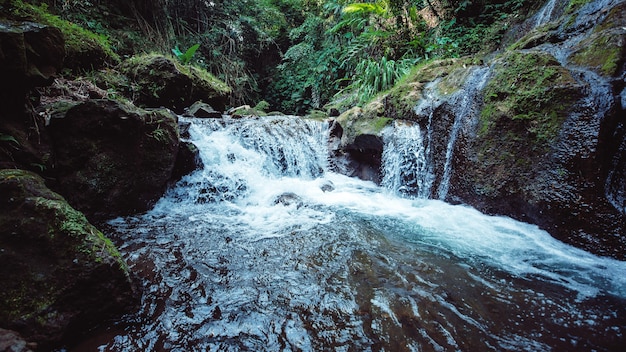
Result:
[
  {"x": 342, "y": 264},
  {"x": 406, "y": 168},
  {"x": 597, "y": 103},
  {"x": 545, "y": 13},
  {"x": 408, "y": 157}
]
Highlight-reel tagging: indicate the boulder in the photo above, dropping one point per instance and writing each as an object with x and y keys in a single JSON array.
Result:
[
  {"x": 59, "y": 275},
  {"x": 158, "y": 81},
  {"x": 112, "y": 158},
  {"x": 187, "y": 161},
  {"x": 288, "y": 199},
  {"x": 31, "y": 54},
  {"x": 202, "y": 110}
]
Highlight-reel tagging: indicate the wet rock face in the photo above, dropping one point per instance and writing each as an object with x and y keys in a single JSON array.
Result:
[
  {"x": 59, "y": 275},
  {"x": 548, "y": 151},
  {"x": 366, "y": 151},
  {"x": 30, "y": 55},
  {"x": 113, "y": 159}
]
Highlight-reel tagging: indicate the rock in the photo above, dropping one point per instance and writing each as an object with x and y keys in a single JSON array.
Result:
[
  {"x": 288, "y": 199},
  {"x": 59, "y": 275},
  {"x": 11, "y": 341},
  {"x": 31, "y": 54},
  {"x": 367, "y": 151},
  {"x": 327, "y": 186},
  {"x": 112, "y": 158},
  {"x": 202, "y": 110},
  {"x": 187, "y": 161},
  {"x": 160, "y": 81}
]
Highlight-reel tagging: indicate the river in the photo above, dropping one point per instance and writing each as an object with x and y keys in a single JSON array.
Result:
[{"x": 266, "y": 249}]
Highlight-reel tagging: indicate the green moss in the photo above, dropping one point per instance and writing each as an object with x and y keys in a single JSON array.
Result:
[
  {"x": 402, "y": 98},
  {"x": 575, "y": 5},
  {"x": 602, "y": 52},
  {"x": 529, "y": 87},
  {"x": 78, "y": 40},
  {"x": 380, "y": 123}
]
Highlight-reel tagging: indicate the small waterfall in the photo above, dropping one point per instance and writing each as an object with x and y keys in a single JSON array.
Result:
[
  {"x": 466, "y": 102},
  {"x": 409, "y": 157},
  {"x": 545, "y": 14},
  {"x": 406, "y": 167},
  {"x": 239, "y": 152}
]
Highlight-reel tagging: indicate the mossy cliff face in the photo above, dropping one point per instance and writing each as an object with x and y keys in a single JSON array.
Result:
[
  {"x": 112, "y": 158},
  {"x": 59, "y": 275}
]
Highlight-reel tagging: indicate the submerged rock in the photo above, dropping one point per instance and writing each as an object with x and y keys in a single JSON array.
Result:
[
  {"x": 59, "y": 275},
  {"x": 288, "y": 199},
  {"x": 112, "y": 158}
]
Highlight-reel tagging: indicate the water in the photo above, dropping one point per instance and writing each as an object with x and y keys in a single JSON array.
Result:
[
  {"x": 410, "y": 160},
  {"x": 288, "y": 256},
  {"x": 545, "y": 13}
]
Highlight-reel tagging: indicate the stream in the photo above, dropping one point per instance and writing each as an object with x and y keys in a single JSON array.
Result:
[{"x": 266, "y": 249}]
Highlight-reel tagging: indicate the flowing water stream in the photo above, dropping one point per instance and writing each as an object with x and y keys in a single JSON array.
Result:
[{"x": 264, "y": 249}]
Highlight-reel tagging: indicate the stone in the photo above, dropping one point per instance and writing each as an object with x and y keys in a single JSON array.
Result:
[
  {"x": 187, "y": 161},
  {"x": 60, "y": 276},
  {"x": 31, "y": 54},
  {"x": 158, "y": 81},
  {"x": 112, "y": 158},
  {"x": 288, "y": 199},
  {"x": 202, "y": 110}
]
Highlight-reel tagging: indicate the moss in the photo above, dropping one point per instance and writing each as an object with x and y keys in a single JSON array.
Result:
[
  {"x": 575, "y": 5},
  {"x": 80, "y": 44},
  {"x": 530, "y": 87},
  {"x": 404, "y": 96},
  {"x": 602, "y": 52}
]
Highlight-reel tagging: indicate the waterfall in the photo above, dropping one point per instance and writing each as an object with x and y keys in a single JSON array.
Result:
[
  {"x": 409, "y": 157},
  {"x": 545, "y": 13},
  {"x": 466, "y": 103},
  {"x": 241, "y": 152},
  {"x": 264, "y": 249},
  {"x": 406, "y": 168}
]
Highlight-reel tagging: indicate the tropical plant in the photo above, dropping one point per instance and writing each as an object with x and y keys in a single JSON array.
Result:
[{"x": 185, "y": 57}]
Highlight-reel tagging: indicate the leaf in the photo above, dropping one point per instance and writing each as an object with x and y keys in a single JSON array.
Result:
[
  {"x": 189, "y": 54},
  {"x": 8, "y": 138},
  {"x": 177, "y": 52}
]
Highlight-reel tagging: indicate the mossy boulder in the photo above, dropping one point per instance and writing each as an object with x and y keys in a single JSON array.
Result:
[
  {"x": 158, "y": 81},
  {"x": 84, "y": 49},
  {"x": 60, "y": 276},
  {"x": 112, "y": 158},
  {"x": 540, "y": 153},
  {"x": 31, "y": 54}
]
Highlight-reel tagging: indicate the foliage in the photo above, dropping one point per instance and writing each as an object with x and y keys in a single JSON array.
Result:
[{"x": 185, "y": 57}]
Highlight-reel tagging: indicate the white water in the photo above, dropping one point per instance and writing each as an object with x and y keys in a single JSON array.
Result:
[
  {"x": 408, "y": 159},
  {"x": 227, "y": 267}
]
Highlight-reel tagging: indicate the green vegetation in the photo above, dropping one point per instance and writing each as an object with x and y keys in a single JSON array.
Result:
[
  {"x": 298, "y": 55},
  {"x": 185, "y": 57},
  {"x": 530, "y": 87},
  {"x": 85, "y": 49}
]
